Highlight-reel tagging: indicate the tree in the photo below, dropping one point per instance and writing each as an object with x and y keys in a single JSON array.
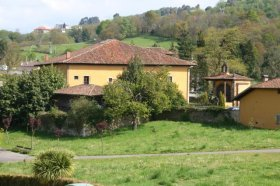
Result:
[
  {"x": 29, "y": 93},
  {"x": 271, "y": 65},
  {"x": 12, "y": 57},
  {"x": 3, "y": 48},
  {"x": 200, "y": 39},
  {"x": 185, "y": 45},
  {"x": 84, "y": 112},
  {"x": 138, "y": 94},
  {"x": 222, "y": 100},
  {"x": 249, "y": 58},
  {"x": 52, "y": 165}
]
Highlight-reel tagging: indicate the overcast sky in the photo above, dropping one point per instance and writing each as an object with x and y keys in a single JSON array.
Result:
[{"x": 25, "y": 15}]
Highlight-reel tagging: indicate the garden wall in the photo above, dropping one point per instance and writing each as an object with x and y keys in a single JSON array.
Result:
[{"x": 205, "y": 115}]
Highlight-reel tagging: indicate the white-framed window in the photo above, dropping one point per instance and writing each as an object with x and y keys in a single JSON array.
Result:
[
  {"x": 278, "y": 119},
  {"x": 76, "y": 77},
  {"x": 110, "y": 80}
]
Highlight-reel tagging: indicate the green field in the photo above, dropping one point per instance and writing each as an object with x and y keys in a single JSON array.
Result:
[
  {"x": 243, "y": 169},
  {"x": 60, "y": 49},
  {"x": 149, "y": 41},
  {"x": 142, "y": 41},
  {"x": 157, "y": 137}
]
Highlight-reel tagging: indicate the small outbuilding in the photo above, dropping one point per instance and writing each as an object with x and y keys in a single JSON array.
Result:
[
  {"x": 64, "y": 96},
  {"x": 229, "y": 84},
  {"x": 260, "y": 105}
]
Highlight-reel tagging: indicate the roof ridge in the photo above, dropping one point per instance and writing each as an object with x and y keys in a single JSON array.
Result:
[{"x": 95, "y": 46}]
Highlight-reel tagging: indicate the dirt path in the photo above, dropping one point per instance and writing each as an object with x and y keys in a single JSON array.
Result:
[{"x": 7, "y": 156}]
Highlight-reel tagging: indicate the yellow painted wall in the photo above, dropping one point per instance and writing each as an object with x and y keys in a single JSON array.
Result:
[
  {"x": 100, "y": 74},
  {"x": 242, "y": 86},
  {"x": 259, "y": 108}
]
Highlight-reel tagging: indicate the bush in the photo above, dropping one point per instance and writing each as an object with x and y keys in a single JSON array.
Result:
[
  {"x": 222, "y": 100},
  {"x": 204, "y": 99},
  {"x": 53, "y": 164},
  {"x": 23, "y": 180},
  {"x": 55, "y": 118},
  {"x": 84, "y": 112}
]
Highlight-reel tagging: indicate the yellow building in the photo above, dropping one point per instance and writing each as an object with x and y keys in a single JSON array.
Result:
[
  {"x": 103, "y": 62},
  {"x": 260, "y": 105},
  {"x": 229, "y": 84}
]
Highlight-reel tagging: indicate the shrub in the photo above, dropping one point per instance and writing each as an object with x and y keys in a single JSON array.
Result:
[
  {"x": 53, "y": 164},
  {"x": 204, "y": 99},
  {"x": 55, "y": 118},
  {"x": 23, "y": 180},
  {"x": 222, "y": 100},
  {"x": 84, "y": 112}
]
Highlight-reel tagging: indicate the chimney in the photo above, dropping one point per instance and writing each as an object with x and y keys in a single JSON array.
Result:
[
  {"x": 265, "y": 78},
  {"x": 46, "y": 58},
  {"x": 68, "y": 55}
]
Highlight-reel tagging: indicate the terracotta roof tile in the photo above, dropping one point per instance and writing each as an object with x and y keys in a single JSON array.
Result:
[
  {"x": 274, "y": 83},
  {"x": 114, "y": 52},
  {"x": 81, "y": 90},
  {"x": 226, "y": 76}
]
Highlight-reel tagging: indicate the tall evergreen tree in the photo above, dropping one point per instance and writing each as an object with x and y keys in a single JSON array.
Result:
[
  {"x": 249, "y": 57},
  {"x": 185, "y": 45}
]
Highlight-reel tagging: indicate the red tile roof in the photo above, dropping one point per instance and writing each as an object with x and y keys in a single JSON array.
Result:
[
  {"x": 227, "y": 76},
  {"x": 81, "y": 90},
  {"x": 271, "y": 84},
  {"x": 274, "y": 83},
  {"x": 114, "y": 52}
]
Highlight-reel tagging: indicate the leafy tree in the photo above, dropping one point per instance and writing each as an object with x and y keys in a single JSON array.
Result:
[
  {"x": 138, "y": 94},
  {"x": 249, "y": 58},
  {"x": 271, "y": 65},
  {"x": 102, "y": 26},
  {"x": 30, "y": 93},
  {"x": 12, "y": 57},
  {"x": 185, "y": 45},
  {"x": 200, "y": 39},
  {"x": 84, "y": 112},
  {"x": 3, "y": 48}
]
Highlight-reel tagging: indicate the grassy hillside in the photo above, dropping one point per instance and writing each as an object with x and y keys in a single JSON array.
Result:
[
  {"x": 149, "y": 41},
  {"x": 242, "y": 169},
  {"x": 57, "y": 50},
  {"x": 40, "y": 52},
  {"x": 157, "y": 137}
]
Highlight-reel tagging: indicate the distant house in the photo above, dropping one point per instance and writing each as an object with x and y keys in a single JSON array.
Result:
[
  {"x": 62, "y": 27},
  {"x": 229, "y": 84},
  {"x": 260, "y": 105},
  {"x": 42, "y": 29},
  {"x": 103, "y": 62}
]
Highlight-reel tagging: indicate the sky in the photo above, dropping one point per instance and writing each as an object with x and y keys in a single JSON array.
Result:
[{"x": 25, "y": 15}]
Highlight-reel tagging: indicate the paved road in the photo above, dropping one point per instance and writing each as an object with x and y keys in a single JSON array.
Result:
[
  {"x": 7, "y": 156},
  {"x": 181, "y": 154}
]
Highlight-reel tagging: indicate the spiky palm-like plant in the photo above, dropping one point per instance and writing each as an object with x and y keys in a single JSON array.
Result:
[{"x": 53, "y": 164}]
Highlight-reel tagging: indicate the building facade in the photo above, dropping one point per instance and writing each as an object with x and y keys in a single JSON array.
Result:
[
  {"x": 103, "y": 62},
  {"x": 260, "y": 105}
]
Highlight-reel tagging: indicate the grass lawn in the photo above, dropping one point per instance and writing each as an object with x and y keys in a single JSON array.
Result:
[
  {"x": 59, "y": 49},
  {"x": 157, "y": 137},
  {"x": 149, "y": 41},
  {"x": 243, "y": 169}
]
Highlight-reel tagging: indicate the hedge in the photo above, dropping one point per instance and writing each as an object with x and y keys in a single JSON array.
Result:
[{"x": 24, "y": 180}]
